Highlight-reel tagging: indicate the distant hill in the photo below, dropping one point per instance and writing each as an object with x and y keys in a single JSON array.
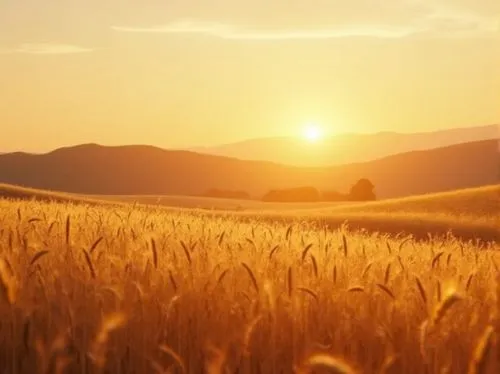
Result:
[
  {"x": 8, "y": 191},
  {"x": 347, "y": 148},
  {"x": 138, "y": 170}
]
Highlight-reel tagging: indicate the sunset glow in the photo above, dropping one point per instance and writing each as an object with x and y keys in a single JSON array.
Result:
[
  {"x": 183, "y": 74},
  {"x": 266, "y": 186},
  {"x": 313, "y": 132}
]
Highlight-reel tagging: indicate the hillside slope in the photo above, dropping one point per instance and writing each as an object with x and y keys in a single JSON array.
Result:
[
  {"x": 12, "y": 192},
  {"x": 481, "y": 203},
  {"x": 348, "y": 148},
  {"x": 138, "y": 170},
  {"x": 469, "y": 214}
]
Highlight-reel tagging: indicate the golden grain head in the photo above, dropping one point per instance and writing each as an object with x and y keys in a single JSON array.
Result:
[
  {"x": 333, "y": 364},
  {"x": 94, "y": 288}
]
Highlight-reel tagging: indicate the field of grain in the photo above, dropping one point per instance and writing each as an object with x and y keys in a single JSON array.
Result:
[
  {"x": 9, "y": 191},
  {"x": 214, "y": 203},
  {"x": 469, "y": 203},
  {"x": 136, "y": 289},
  {"x": 480, "y": 202},
  {"x": 470, "y": 214}
]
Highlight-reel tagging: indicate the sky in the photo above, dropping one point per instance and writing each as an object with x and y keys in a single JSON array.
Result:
[{"x": 180, "y": 73}]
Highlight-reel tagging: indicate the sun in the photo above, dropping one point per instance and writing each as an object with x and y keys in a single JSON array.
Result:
[{"x": 312, "y": 132}]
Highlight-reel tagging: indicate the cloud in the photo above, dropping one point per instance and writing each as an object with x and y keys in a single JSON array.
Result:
[
  {"x": 441, "y": 22},
  {"x": 449, "y": 20},
  {"x": 47, "y": 49},
  {"x": 328, "y": 19},
  {"x": 231, "y": 32}
]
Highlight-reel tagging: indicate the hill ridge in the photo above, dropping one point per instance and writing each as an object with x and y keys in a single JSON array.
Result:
[
  {"x": 346, "y": 148},
  {"x": 152, "y": 170}
]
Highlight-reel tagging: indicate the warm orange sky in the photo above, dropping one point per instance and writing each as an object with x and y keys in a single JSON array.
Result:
[{"x": 179, "y": 73}]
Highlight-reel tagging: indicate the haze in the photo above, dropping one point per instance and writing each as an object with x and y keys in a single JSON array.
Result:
[{"x": 191, "y": 73}]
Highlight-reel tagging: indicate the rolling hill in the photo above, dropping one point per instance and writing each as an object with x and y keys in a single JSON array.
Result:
[
  {"x": 482, "y": 203},
  {"x": 141, "y": 170},
  {"x": 347, "y": 148},
  {"x": 469, "y": 214},
  {"x": 13, "y": 192}
]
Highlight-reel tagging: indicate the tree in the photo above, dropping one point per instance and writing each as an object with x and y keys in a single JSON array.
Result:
[{"x": 362, "y": 191}]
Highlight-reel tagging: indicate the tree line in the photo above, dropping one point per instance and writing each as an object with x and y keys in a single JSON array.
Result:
[{"x": 362, "y": 190}]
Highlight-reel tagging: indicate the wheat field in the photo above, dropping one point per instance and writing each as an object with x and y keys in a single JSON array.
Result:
[{"x": 136, "y": 289}]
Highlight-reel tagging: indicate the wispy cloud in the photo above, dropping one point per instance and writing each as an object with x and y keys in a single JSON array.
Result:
[
  {"x": 46, "y": 49},
  {"x": 447, "y": 20},
  {"x": 438, "y": 21},
  {"x": 230, "y": 32}
]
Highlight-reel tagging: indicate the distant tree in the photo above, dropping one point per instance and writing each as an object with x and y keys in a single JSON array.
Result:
[{"x": 362, "y": 190}]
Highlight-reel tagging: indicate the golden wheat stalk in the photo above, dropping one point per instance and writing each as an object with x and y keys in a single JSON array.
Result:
[
  {"x": 248, "y": 334},
  {"x": 290, "y": 281},
  {"x": 328, "y": 363},
  {"x": 388, "y": 364},
  {"x": 38, "y": 256},
  {"x": 7, "y": 283},
  {"x": 309, "y": 292},
  {"x": 273, "y": 251},
  {"x": 423, "y": 338},
  {"x": 305, "y": 250},
  {"x": 387, "y": 274},
  {"x": 356, "y": 289},
  {"x": 479, "y": 361},
  {"x": 99, "y": 346},
  {"x": 344, "y": 245},
  {"x": 172, "y": 280},
  {"x": 469, "y": 280},
  {"x": 436, "y": 258},
  {"x": 315, "y": 265},
  {"x": 421, "y": 290},
  {"x": 188, "y": 255},
  {"x": 221, "y": 277},
  {"x": 252, "y": 276},
  {"x": 88, "y": 260},
  {"x": 215, "y": 364},
  {"x": 178, "y": 360},
  {"x": 450, "y": 298},
  {"x": 386, "y": 290},
  {"x": 154, "y": 252},
  {"x": 68, "y": 230},
  {"x": 95, "y": 244}
]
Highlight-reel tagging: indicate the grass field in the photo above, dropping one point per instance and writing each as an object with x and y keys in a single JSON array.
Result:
[
  {"x": 482, "y": 202},
  {"x": 213, "y": 203},
  {"x": 11, "y": 192},
  {"x": 472, "y": 214},
  {"x": 476, "y": 203},
  {"x": 121, "y": 288}
]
